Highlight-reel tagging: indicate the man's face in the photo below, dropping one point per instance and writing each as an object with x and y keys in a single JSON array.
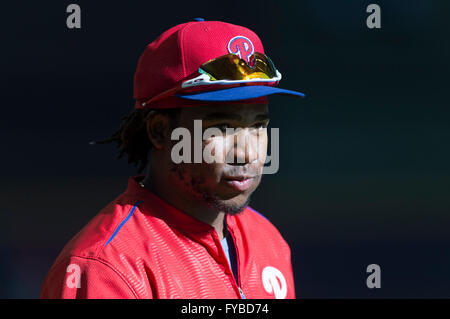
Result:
[{"x": 227, "y": 183}]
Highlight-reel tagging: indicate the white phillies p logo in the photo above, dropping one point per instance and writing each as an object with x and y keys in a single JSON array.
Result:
[
  {"x": 242, "y": 47},
  {"x": 274, "y": 282}
]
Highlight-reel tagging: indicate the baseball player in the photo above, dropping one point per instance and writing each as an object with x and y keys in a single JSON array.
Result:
[{"x": 184, "y": 229}]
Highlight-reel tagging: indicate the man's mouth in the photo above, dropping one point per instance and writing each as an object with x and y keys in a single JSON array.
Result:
[{"x": 240, "y": 183}]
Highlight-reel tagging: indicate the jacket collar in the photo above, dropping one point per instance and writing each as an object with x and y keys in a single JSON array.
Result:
[
  {"x": 201, "y": 232},
  {"x": 154, "y": 205}
]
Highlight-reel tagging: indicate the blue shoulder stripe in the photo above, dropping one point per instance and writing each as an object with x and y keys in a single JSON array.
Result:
[{"x": 123, "y": 222}]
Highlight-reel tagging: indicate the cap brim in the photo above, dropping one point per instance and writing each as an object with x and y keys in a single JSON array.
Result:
[{"x": 239, "y": 93}]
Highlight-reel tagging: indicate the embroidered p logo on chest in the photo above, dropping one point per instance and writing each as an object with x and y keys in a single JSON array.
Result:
[{"x": 274, "y": 282}]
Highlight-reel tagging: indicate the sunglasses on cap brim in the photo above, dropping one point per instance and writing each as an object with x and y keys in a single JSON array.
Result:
[
  {"x": 231, "y": 69},
  {"x": 227, "y": 71}
]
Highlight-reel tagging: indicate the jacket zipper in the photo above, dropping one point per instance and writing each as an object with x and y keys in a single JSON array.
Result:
[{"x": 238, "y": 279}]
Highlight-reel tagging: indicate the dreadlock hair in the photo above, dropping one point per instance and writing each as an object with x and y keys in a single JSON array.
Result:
[{"x": 131, "y": 138}]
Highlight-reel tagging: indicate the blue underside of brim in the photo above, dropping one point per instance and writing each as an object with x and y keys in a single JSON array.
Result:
[{"x": 239, "y": 93}]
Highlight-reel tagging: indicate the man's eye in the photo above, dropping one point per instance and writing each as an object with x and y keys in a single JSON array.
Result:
[
  {"x": 261, "y": 125},
  {"x": 222, "y": 126}
]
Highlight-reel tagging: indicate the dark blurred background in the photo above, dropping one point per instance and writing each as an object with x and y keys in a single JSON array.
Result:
[{"x": 364, "y": 175}]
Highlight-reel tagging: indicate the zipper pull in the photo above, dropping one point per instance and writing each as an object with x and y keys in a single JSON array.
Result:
[{"x": 242, "y": 293}]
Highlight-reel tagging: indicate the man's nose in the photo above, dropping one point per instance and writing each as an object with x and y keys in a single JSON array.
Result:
[{"x": 245, "y": 148}]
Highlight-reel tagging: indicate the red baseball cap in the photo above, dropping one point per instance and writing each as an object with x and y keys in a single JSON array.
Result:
[{"x": 176, "y": 55}]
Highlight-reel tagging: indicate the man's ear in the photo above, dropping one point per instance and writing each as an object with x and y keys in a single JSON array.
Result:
[{"x": 158, "y": 129}]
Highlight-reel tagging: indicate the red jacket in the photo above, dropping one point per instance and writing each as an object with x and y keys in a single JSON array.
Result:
[{"x": 139, "y": 246}]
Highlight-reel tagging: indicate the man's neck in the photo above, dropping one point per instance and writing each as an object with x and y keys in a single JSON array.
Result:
[{"x": 196, "y": 209}]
